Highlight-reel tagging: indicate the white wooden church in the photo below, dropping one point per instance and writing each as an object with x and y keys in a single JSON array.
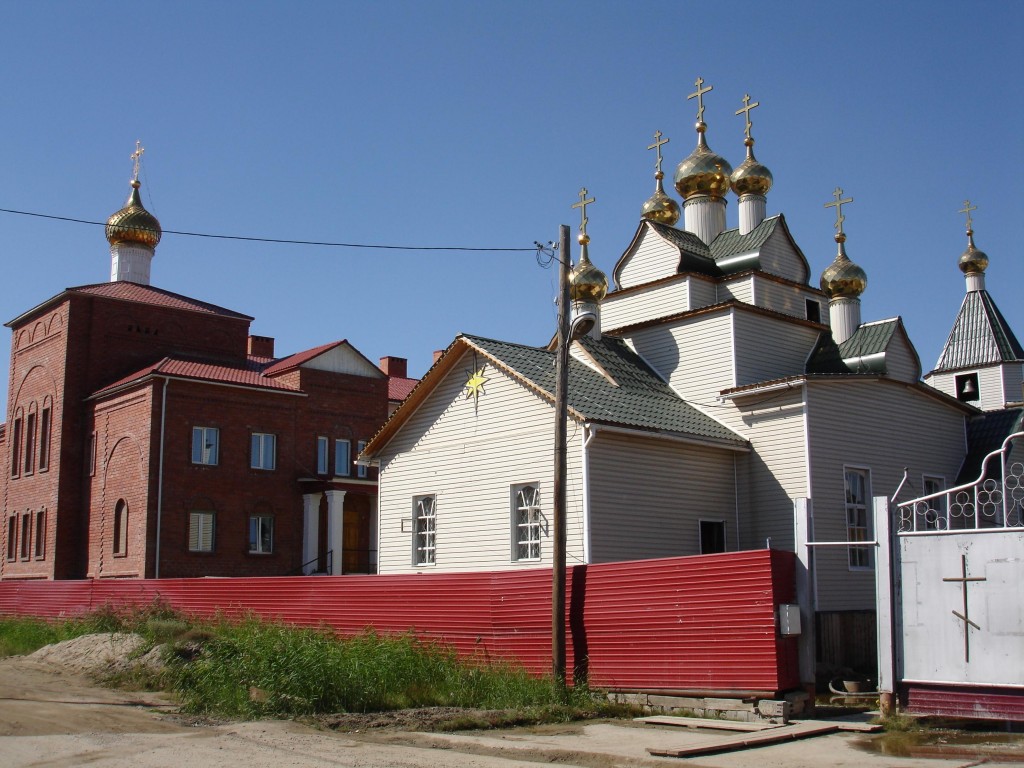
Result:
[{"x": 719, "y": 388}]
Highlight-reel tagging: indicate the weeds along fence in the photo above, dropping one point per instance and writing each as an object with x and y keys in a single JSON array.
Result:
[{"x": 704, "y": 623}]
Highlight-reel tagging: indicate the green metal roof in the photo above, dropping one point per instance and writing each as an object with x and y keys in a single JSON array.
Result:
[
  {"x": 635, "y": 397},
  {"x": 980, "y": 336},
  {"x": 863, "y": 352}
]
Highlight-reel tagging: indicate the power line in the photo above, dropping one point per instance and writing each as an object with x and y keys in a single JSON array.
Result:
[{"x": 278, "y": 240}]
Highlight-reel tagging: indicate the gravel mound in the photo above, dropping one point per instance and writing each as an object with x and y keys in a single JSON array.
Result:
[{"x": 99, "y": 654}]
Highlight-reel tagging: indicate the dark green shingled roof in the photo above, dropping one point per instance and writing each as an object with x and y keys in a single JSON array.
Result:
[
  {"x": 718, "y": 258},
  {"x": 638, "y": 398},
  {"x": 854, "y": 355},
  {"x": 985, "y": 433},
  {"x": 980, "y": 336}
]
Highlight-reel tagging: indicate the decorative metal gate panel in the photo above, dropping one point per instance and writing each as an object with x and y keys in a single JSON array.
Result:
[{"x": 958, "y": 571}]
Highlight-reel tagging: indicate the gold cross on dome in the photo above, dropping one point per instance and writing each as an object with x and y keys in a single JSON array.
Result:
[
  {"x": 747, "y": 106},
  {"x": 136, "y": 157},
  {"x": 582, "y": 204},
  {"x": 699, "y": 96},
  {"x": 967, "y": 209},
  {"x": 658, "y": 144},
  {"x": 838, "y": 205}
]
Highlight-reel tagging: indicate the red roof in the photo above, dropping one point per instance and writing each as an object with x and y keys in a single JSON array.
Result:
[
  {"x": 147, "y": 294},
  {"x": 399, "y": 388},
  {"x": 247, "y": 375},
  {"x": 294, "y": 361}
]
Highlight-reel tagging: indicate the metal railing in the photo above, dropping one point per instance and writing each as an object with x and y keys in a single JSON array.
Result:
[
  {"x": 301, "y": 570},
  {"x": 995, "y": 501}
]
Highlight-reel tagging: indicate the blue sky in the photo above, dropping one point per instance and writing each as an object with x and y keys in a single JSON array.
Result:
[{"x": 475, "y": 124}]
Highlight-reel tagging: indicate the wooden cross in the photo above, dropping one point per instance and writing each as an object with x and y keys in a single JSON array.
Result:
[
  {"x": 838, "y": 205},
  {"x": 967, "y": 209},
  {"x": 965, "y": 617},
  {"x": 699, "y": 95},
  {"x": 747, "y": 106},
  {"x": 658, "y": 144},
  {"x": 136, "y": 157},
  {"x": 583, "y": 203}
]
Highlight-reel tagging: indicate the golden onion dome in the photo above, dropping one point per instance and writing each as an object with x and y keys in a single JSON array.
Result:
[
  {"x": 972, "y": 261},
  {"x": 703, "y": 172},
  {"x": 133, "y": 223},
  {"x": 587, "y": 283},
  {"x": 660, "y": 208},
  {"x": 843, "y": 279},
  {"x": 751, "y": 178}
]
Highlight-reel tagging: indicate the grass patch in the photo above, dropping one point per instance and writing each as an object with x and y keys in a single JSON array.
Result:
[{"x": 253, "y": 668}]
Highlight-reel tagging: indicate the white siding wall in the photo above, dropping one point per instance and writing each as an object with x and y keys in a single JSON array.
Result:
[
  {"x": 900, "y": 360},
  {"x": 652, "y": 260},
  {"x": 775, "y": 473},
  {"x": 787, "y": 299},
  {"x": 469, "y": 456},
  {"x": 647, "y": 496},
  {"x": 738, "y": 290},
  {"x": 990, "y": 384},
  {"x": 695, "y": 355},
  {"x": 703, "y": 292},
  {"x": 343, "y": 359},
  {"x": 779, "y": 258},
  {"x": 643, "y": 304},
  {"x": 884, "y": 428},
  {"x": 770, "y": 348},
  {"x": 1013, "y": 380}
]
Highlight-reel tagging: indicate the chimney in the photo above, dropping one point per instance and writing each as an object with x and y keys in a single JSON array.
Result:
[
  {"x": 395, "y": 366},
  {"x": 261, "y": 346},
  {"x": 437, "y": 354}
]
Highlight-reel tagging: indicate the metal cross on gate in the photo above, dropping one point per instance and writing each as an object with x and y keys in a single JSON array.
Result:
[{"x": 965, "y": 617}]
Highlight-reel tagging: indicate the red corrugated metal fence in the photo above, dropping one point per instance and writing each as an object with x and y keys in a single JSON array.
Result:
[{"x": 689, "y": 623}]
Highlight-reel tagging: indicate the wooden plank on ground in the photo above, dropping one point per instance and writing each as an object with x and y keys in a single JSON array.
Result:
[
  {"x": 789, "y": 732},
  {"x": 706, "y": 722}
]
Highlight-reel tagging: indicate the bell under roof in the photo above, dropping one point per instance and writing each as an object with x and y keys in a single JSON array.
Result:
[{"x": 980, "y": 336}]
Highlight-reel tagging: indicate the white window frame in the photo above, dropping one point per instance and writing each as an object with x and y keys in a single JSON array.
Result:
[
  {"x": 529, "y": 526},
  {"x": 858, "y": 558},
  {"x": 701, "y": 522},
  {"x": 263, "y": 451},
  {"x": 323, "y": 455},
  {"x": 264, "y": 523},
  {"x": 202, "y": 526},
  {"x": 203, "y": 451},
  {"x": 424, "y": 530},
  {"x": 342, "y": 468},
  {"x": 360, "y": 468}
]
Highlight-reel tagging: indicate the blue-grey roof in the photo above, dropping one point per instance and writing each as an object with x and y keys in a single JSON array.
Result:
[
  {"x": 635, "y": 397},
  {"x": 863, "y": 352},
  {"x": 980, "y": 336}
]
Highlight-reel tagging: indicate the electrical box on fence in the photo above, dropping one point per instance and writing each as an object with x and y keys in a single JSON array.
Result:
[{"x": 789, "y": 620}]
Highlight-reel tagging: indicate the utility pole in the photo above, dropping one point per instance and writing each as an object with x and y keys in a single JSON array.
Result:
[{"x": 559, "y": 502}]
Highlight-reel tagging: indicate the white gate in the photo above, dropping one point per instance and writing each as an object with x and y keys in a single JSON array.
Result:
[{"x": 953, "y": 604}]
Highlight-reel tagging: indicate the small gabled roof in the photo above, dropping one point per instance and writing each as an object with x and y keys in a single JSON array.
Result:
[
  {"x": 986, "y": 433},
  {"x": 122, "y": 290},
  {"x": 980, "y": 336},
  {"x": 299, "y": 359},
  {"x": 620, "y": 389},
  {"x": 248, "y": 374},
  {"x": 864, "y": 352},
  {"x": 728, "y": 254}
]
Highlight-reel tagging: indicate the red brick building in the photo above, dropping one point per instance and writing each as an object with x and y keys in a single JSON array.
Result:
[{"x": 150, "y": 435}]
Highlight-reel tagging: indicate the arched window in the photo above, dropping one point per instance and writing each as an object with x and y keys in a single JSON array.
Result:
[
  {"x": 45, "y": 428},
  {"x": 121, "y": 528},
  {"x": 527, "y": 523}
]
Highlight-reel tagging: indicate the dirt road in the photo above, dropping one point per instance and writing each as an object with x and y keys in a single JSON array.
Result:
[{"x": 50, "y": 716}]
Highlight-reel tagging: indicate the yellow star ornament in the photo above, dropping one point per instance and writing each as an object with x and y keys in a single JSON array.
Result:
[{"x": 475, "y": 385}]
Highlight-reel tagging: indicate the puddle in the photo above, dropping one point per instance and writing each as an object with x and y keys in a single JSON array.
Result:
[{"x": 939, "y": 743}]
